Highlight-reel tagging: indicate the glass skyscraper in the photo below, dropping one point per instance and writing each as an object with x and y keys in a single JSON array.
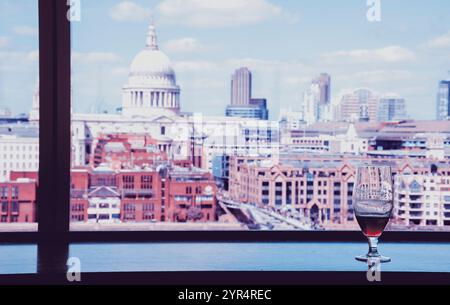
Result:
[
  {"x": 257, "y": 109},
  {"x": 391, "y": 108},
  {"x": 443, "y": 101}
]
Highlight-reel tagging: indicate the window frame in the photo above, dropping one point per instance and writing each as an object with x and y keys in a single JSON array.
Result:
[{"x": 53, "y": 199}]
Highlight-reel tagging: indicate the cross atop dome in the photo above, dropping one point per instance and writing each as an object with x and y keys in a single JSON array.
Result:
[{"x": 152, "y": 42}]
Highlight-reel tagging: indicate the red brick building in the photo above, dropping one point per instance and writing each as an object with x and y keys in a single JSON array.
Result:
[
  {"x": 129, "y": 180},
  {"x": 191, "y": 195},
  {"x": 79, "y": 185},
  {"x": 18, "y": 201},
  {"x": 121, "y": 151},
  {"x": 142, "y": 196}
]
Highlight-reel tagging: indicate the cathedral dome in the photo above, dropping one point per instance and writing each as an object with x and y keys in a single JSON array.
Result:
[
  {"x": 152, "y": 88},
  {"x": 152, "y": 63},
  {"x": 151, "y": 67}
]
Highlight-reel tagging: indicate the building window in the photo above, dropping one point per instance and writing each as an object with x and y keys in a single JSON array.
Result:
[
  {"x": 15, "y": 207},
  {"x": 5, "y": 207},
  {"x": 129, "y": 207},
  {"x": 128, "y": 182},
  {"x": 148, "y": 207},
  {"x": 103, "y": 206},
  {"x": 14, "y": 192},
  {"x": 146, "y": 182},
  {"x": 4, "y": 192}
]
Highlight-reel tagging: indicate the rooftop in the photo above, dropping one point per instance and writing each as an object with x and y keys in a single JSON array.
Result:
[
  {"x": 19, "y": 130},
  {"x": 305, "y": 161}
]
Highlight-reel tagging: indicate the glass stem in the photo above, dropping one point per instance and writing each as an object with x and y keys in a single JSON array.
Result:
[{"x": 373, "y": 247}]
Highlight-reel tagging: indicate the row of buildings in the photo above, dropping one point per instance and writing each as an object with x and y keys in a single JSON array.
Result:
[
  {"x": 361, "y": 105},
  {"x": 318, "y": 187},
  {"x": 404, "y": 138},
  {"x": 128, "y": 179},
  {"x": 321, "y": 187}
]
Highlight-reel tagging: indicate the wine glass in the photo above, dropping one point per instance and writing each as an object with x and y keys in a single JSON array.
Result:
[{"x": 373, "y": 204}]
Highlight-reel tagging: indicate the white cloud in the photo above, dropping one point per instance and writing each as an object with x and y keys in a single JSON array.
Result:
[
  {"x": 19, "y": 58},
  {"x": 130, "y": 11},
  {"x": 95, "y": 57},
  {"x": 4, "y": 41},
  {"x": 207, "y": 83},
  {"x": 228, "y": 66},
  {"x": 183, "y": 45},
  {"x": 25, "y": 30},
  {"x": 194, "y": 66},
  {"x": 207, "y": 13},
  {"x": 33, "y": 56},
  {"x": 296, "y": 80},
  {"x": 391, "y": 54},
  {"x": 13, "y": 61},
  {"x": 120, "y": 71},
  {"x": 442, "y": 41},
  {"x": 378, "y": 76},
  {"x": 257, "y": 64}
]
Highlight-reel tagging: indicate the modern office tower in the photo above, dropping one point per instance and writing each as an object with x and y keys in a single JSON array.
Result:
[
  {"x": 311, "y": 99},
  {"x": 324, "y": 83},
  {"x": 443, "y": 101},
  {"x": 242, "y": 105},
  {"x": 256, "y": 109},
  {"x": 391, "y": 108},
  {"x": 359, "y": 105},
  {"x": 261, "y": 103},
  {"x": 241, "y": 87},
  {"x": 316, "y": 101}
]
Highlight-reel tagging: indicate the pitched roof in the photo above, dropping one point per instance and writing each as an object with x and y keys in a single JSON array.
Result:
[{"x": 104, "y": 192}]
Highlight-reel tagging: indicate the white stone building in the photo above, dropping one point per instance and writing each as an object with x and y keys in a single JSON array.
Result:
[
  {"x": 104, "y": 205},
  {"x": 151, "y": 88},
  {"x": 291, "y": 119},
  {"x": 19, "y": 149},
  {"x": 422, "y": 200},
  {"x": 338, "y": 139}
]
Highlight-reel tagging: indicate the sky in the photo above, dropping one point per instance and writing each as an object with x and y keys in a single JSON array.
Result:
[{"x": 284, "y": 43}]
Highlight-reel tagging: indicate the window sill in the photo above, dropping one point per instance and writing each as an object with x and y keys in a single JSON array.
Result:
[{"x": 218, "y": 236}]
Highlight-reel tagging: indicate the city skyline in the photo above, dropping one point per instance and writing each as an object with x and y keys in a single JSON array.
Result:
[{"x": 206, "y": 50}]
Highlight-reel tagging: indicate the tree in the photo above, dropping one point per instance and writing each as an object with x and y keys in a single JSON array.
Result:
[{"x": 194, "y": 213}]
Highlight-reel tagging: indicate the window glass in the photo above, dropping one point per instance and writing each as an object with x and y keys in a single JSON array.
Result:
[
  {"x": 254, "y": 115},
  {"x": 19, "y": 114}
]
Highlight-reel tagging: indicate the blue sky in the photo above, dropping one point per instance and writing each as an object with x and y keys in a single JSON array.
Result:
[{"x": 284, "y": 43}]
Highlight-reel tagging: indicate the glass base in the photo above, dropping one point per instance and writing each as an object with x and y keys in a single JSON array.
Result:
[{"x": 378, "y": 259}]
